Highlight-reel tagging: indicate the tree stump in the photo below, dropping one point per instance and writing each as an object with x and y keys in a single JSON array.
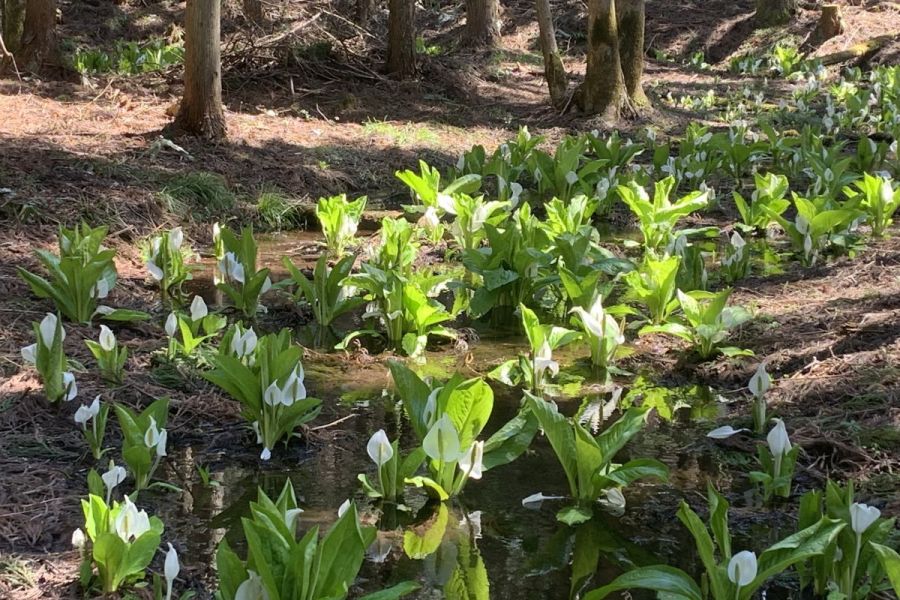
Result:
[{"x": 831, "y": 23}]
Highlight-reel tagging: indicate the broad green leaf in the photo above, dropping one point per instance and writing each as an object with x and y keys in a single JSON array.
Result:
[{"x": 659, "y": 578}]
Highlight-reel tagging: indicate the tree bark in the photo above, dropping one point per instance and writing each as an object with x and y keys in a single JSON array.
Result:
[
  {"x": 774, "y": 12},
  {"x": 554, "y": 70},
  {"x": 603, "y": 91},
  {"x": 364, "y": 11},
  {"x": 401, "y": 59},
  {"x": 482, "y": 23},
  {"x": 37, "y": 47},
  {"x": 253, "y": 11},
  {"x": 631, "y": 17},
  {"x": 201, "y": 106},
  {"x": 13, "y": 18}
]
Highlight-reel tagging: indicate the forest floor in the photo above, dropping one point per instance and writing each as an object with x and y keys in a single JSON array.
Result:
[{"x": 332, "y": 123}]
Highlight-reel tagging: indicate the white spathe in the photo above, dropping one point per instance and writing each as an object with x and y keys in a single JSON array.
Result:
[
  {"x": 726, "y": 431},
  {"x": 107, "y": 339},
  {"x": 379, "y": 448},
  {"x": 131, "y": 523},
  {"x": 442, "y": 441},
  {"x": 198, "y": 308},
  {"x": 171, "y": 324},
  {"x": 472, "y": 462},
  {"x": 760, "y": 382},
  {"x": 29, "y": 353},
  {"x": 778, "y": 440},
  {"x": 48, "y": 329},
  {"x": 742, "y": 568},
  {"x": 862, "y": 516},
  {"x": 87, "y": 412}
]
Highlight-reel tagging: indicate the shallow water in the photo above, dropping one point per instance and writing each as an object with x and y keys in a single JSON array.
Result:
[{"x": 491, "y": 546}]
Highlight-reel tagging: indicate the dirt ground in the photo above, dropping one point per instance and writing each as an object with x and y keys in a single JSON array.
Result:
[{"x": 88, "y": 150}]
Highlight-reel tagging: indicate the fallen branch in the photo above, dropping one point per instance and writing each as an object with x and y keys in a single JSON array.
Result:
[{"x": 857, "y": 51}]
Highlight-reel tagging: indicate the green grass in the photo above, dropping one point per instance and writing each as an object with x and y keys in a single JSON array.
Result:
[
  {"x": 275, "y": 209},
  {"x": 201, "y": 193},
  {"x": 401, "y": 134}
]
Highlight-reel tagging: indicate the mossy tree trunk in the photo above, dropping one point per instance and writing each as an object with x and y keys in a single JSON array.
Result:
[
  {"x": 12, "y": 14},
  {"x": 201, "y": 111},
  {"x": 631, "y": 17},
  {"x": 401, "y": 59},
  {"x": 554, "y": 70},
  {"x": 482, "y": 23},
  {"x": 37, "y": 47},
  {"x": 603, "y": 91},
  {"x": 774, "y": 12}
]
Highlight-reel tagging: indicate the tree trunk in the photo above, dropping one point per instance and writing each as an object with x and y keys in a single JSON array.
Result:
[
  {"x": 554, "y": 70},
  {"x": 401, "y": 59},
  {"x": 831, "y": 23},
  {"x": 631, "y": 17},
  {"x": 13, "y": 18},
  {"x": 253, "y": 11},
  {"x": 774, "y": 12},
  {"x": 364, "y": 11},
  {"x": 603, "y": 91},
  {"x": 482, "y": 23},
  {"x": 37, "y": 48},
  {"x": 201, "y": 106}
]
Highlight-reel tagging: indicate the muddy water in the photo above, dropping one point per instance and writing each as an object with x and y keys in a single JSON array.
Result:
[{"x": 490, "y": 545}]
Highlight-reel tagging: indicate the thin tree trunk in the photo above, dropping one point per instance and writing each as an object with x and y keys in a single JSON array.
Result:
[
  {"x": 13, "y": 17},
  {"x": 482, "y": 23},
  {"x": 774, "y": 12},
  {"x": 401, "y": 59},
  {"x": 631, "y": 17},
  {"x": 37, "y": 48},
  {"x": 554, "y": 70},
  {"x": 603, "y": 91},
  {"x": 364, "y": 11},
  {"x": 253, "y": 11},
  {"x": 201, "y": 106}
]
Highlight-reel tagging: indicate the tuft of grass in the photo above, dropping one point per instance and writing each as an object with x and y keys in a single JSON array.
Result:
[
  {"x": 17, "y": 573},
  {"x": 202, "y": 193},
  {"x": 276, "y": 210},
  {"x": 401, "y": 134}
]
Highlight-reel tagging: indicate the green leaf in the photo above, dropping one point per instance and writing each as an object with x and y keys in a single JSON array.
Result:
[
  {"x": 804, "y": 544},
  {"x": 423, "y": 540},
  {"x": 431, "y": 486},
  {"x": 397, "y": 591},
  {"x": 511, "y": 440},
  {"x": 890, "y": 562},
  {"x": 637, "y": 469},
  {"x": 573, "y": 515},
  {"x": 659, "y": 578},
  {"x": 560, "y": 434}
]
